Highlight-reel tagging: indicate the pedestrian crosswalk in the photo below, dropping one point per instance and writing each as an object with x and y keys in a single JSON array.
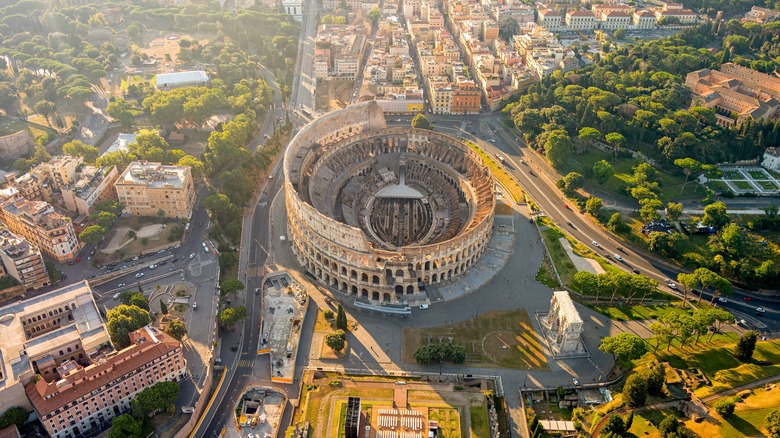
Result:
[{"x": 246, "y": 363}]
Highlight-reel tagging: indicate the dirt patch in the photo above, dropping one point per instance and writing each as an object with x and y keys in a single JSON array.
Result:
[
  {"x": 334, "y": 94},
  {"x": 130, "y": 238},
  {"x": 167, "y": 43}
]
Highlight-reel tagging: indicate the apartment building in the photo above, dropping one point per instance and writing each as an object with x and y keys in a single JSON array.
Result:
[
  {"x": 580, "y": 20},
  {"x": 342, "y": 47},
  {"x": 522, "y": 13},
  {"x": 615, "y": 20},
  {"x": 84, "y": 398},
  {"x": 466, "y": 97},
  {"x": 62, "y": 170},
  {"x": 601, "y": 9},
  {"x": 22, "y": 261},
  {"x": 37, "y": 222},
  {"x": 644, "y": 20},
  {"x": 34, "y": 184},
  {"x": 683, "y": 15},
  {"x": 90, "y": 186},
  {"x": 761, "y": 15},
  {"x": 146, "y": 188},
  {"x": 41, "y": 333},
  {"x": 736, "y": 93},
  {"x": 550, "y": 19}
]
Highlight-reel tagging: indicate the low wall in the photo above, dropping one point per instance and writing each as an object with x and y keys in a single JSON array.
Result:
[{"x": 200, "y": 406}]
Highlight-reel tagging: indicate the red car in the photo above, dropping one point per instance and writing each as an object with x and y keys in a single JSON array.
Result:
[{"x": 747, "y": 299}]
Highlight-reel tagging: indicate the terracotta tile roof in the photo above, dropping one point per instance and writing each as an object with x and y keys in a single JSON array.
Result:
[
  {"x": 579, "y": 14},
  {"x": 10, "y": 432},
  {"x": 85, "y": 380}
]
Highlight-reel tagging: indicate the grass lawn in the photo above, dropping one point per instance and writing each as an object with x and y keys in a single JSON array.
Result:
[
  {"x": 628, "y": 313},
  {"x": 479, "y": 420},
  {"x": 716, "y": 361},
  {"x": 563, "y": 263},
  {"x": 749, "y": 418},
  {"x": 448, "y": 419},
  {"x": 732, "y": 174},
  {"x": 742, "y": 185},
  {"x": 767, "y": 185},
  {"x": 494, "y": 339},
  {"x": 646, "y": 423},
  {"x": 718, "y": 186},
  {"x": 757, "y": 174},
  {"x": 503, "y": 177},
  {"x": 546, "y": 275}
]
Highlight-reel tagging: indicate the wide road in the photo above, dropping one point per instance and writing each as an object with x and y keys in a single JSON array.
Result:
[{"x": 531, "y": 172}]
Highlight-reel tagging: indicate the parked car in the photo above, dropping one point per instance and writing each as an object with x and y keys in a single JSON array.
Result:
[
  {"x": 192, "y": 255},
  {"x": 423, "y": 306},
  {"x": 139, "y": 275}
]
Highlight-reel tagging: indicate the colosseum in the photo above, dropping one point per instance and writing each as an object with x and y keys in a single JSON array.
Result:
[{"x": 380, "y": 213}]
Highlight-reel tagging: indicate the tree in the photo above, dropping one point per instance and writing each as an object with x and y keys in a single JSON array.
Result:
[
  {"x": 616, "y": 140},
  {"x": 341, "y": 318},
  {"x": 76, "y": 148},
  {"x": 589, "y": 135},
  {"x": 715, "y": 215},
  {"x": 635, "y": 390},
  {"x": 745, "y": 346},
  {"x": 773, "y": 423},
  {"x": 159, "y": 397},
  {"x": 674, "y": 210},
  {"x": 104, "y": 219},
  {"x": 688, "y": 281},
  {"x": 125, "y": 426},
  {"x": 16, "y": 415},
  {"x": 649, "y": 209},
  {"x": 194, "y": 164},
  {"x": 733, "y": 240},
  {"x": 616, "y": 224},
  {"x": 375, "y": 14},
  {"x": 663, "y": 334},
  {"x": 163, "y": 307},
  {"x": 572, "y": 181},
  {"x": 619, "y": 34},
  {"x": 124, "y": 319},
  {"x": 615, "y": 425},
  {"x": 231, "y": 285},
  {"x": 132, "y": 298},
  {"x": 669, "y": 427},
  {"x": 716, "y": 317},
  {"x": 725, "y": 407},
  {"x": 593, "y": 205},
  {"x": 421, "y": 122},
  {"x": 176, "y": 329},
  {"x": 45, "y": 108},
  {"x": 93, "y": 234},
  {"x": 120, "y": 111},
  {"x": 557, "y": 147},
  {"x": 624, "y": 346},
  {"x": 336, "y": 340},
  {"x": 229, "y": 317},
  {"x": 602, "y": 171},
  {"x": 656, "y": 377}
]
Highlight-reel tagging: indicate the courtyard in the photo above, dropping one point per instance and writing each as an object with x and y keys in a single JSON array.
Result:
[{"x": 744, "y": 180}]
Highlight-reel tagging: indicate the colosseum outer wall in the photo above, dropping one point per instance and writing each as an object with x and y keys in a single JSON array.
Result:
[{"x": 340, "y": 255}]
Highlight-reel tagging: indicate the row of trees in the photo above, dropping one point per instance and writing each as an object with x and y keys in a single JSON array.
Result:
[
  {"x": 684, "y": 327},
  {"x": 614, "y": 283}
]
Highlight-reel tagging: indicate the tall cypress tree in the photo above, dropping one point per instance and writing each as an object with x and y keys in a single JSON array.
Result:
[{"x": 341, "y": 319}]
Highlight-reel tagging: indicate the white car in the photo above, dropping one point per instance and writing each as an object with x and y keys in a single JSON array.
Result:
[
  {"x": 617, "y": 257},
  {"x": 672, "y": 286},
  {"x": 120, "y": 285},
  {"x": 192, "y": 255},
  {"x": 152, "y": 266},
  {"x": 116, "y": 295},
  {"x": 723, "y": 300},
  {"x": 760, "y": 310},
  {"x": 596, "y": 244},
  {"x": 139, "y": 275},
  {"x": 423, "y": 306}
]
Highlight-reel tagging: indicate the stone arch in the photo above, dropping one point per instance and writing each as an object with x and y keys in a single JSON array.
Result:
[
  {"x": 364, "y": 277},
  {"x": 354, "y": 289},
  {"x": 436, "y": 264},
  {"x": 399, "y": 272},
  {"x": 364, "y": 292},
  {"x": 419, "y": 266},
  {"x": 427, "y": 265},
  {"x": 386, "y": 297},
  {"x": 410, "y": 289},
  {"x": 344, "y": 271},
  {"x": 375, "y": 295},
  {"x": 375, "y": 279},
  {"x": 399, "y": 290},
  {"x": 449, "y": 273},
  {"x": 353, "y": 274},
  {"x": 344, "y": 286},
  {"x": 434, "y": 278}
]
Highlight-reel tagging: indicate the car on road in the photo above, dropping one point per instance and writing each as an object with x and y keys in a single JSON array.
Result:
[
  {"x": 596, "y": 244},
  {"x": 571, "y": 225},
  {"x": 492, "y": 140},
  {"x": 723, "y": 300},
  {"x": 152, "y": 266},
  {"x": 192, "y": 255},
  {"x": 205, "y": 248},
  {"x": 134, "y": 258},
  {"x": 174, "y": 260},
  {"x": 116, "y": 295},
  {"x": 120, "y": 285},
  {"x": 177, "y": 246},
  {"x": 747, "y": 299},
  {"x": 575, "y": 381},
  {"x": 760, "y": 310},
  {"x": 139, "y": 275},
  {"x": 635, "y": 270},
  {"x": 423, "y": 306},
  {"x": 257, "y": 291},
  {"x": 609, "y": 257},
  {"x": 160, "y": 251},
  {"x": 195, "y": 305},
  {"x": 672, "y": 286},
  {"x": 617, "y": 257}
]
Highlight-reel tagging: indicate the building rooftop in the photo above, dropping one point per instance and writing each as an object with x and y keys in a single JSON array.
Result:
[
  {"x": 19, "y": 345},
  {"x": 284, "y": 305},
  {"x": 566, "y": 306},
  {"x": 182, "y": 77},
  {"x": 75, "y": 381},
  {"x": 154, "y": 175},
  {"x": 120, "y": 144},
  {"x": 14, "y": 246}
]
